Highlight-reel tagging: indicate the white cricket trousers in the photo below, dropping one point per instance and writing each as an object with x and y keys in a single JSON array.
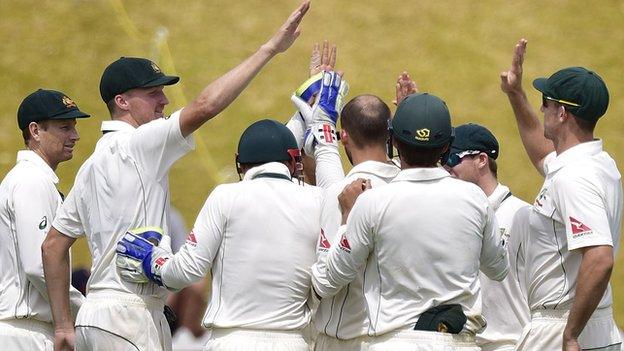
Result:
[
  {"x": 417, "y": 340},
  {"x": 328, "y": 343},
  {"x": 235, "y": 339},
  {"x": 122, "y": 322},
  {"x": 545, "y": 331},
  {"x": 26, "y": 334}
]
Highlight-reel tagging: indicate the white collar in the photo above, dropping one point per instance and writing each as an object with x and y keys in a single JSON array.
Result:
[
  {"x": 421, "y": 174},
  {"x": 271, "y": 167},
  {"x": 499, "y": 195},
  {"x": 572, "y": 154},
  {"x": 115, "y": 126},
  {"x": 380, "y": 169},
  {"x": 31, "y": 156}
]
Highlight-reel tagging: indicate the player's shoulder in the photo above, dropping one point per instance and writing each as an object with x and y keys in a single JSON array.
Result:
[{"x": 462, "y": 188}]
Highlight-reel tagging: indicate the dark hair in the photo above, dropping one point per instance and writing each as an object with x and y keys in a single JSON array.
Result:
[
  {"x": 26, "y": 131},
  {"x": 418, "y": 156},
  {"x": 585, "y": 125},
  {"x": 365, "y": 118},
  {"x": 111, "y": 106},
  {"x": 493, "y": 166}
]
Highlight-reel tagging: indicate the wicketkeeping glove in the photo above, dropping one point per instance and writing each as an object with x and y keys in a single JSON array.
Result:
[{"x": 138, "y": 259}]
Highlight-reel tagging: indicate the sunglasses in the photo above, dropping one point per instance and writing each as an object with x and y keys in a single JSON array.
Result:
[
  {"x": 562, "y": 102},
  {"x": 456, "y": 158}
]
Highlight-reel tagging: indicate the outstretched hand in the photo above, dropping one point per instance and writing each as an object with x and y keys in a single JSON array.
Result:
[
  {"x": 289, "y": 31},
  {"x": 511, "y": 80},
  {"x": 322, "y": 59},
  {"x": 404, "y": 87}
]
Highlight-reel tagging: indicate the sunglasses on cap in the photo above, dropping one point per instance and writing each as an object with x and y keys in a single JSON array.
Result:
[
  {"x": 562, "y": 102},
  {"x": 455, "y": 159}
]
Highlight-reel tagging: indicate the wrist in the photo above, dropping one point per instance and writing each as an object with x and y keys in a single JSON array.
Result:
[{"x": 268, "y": 50}]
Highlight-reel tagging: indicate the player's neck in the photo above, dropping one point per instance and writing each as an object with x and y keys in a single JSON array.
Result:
[
  {"x": 368, "y": 154},
  {"x": 568, "y": 140},
  {"x": 53, "y": 164},
  {"x": 488, "y": 183}
]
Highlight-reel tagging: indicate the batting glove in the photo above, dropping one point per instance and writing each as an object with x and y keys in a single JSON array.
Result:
[{"x": 139, "y": 260}]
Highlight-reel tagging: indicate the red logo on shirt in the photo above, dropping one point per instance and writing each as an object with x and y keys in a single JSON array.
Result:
[
  {"x": 159, "y": 262},
  {"x": 344, "y": 244},
  {"x": 323, "y": 244},
  {"x": 191, "y": 240},
  {"x": 328, "y": 134},
  {"x": 578, "y": 228}
]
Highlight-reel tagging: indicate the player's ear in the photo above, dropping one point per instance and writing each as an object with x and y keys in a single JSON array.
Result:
[
  {"x": 121, "y": 102},
  {"x": 33, "y": 129}
]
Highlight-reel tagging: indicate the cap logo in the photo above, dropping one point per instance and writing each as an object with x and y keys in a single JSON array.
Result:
[
  {"x": 69, "y": 103},
  {"x": 422, "y": 134},
  {"x": 155, "y": 67}
]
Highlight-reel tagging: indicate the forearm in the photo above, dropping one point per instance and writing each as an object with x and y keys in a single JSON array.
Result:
[
  {"x": 530, "y": 128},
  {"x": 593, "y": 279},
  {"x": 184, "y": 269},
  {"x": 56, "y": 269},
  {"x": 328, "y": 166},
  {"x": 219, "y": 94}
]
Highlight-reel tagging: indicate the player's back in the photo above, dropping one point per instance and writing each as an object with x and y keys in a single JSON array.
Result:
[
  {"x": 429, "y": 231},
  {"x": 261, "y": 272}
]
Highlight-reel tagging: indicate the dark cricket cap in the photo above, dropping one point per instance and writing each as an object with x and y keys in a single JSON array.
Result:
[
  {"x": 266, "y": 141},
  {"x": 422, "y": 120},
  {"x": 581, "y": 91},
  {"x": 129, "y": 73},
  {"x": 46, "y": 104},
  {"x": 472, "y": 137}
]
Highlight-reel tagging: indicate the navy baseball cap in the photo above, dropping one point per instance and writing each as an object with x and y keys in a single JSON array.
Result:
[
  {"x": 129, "y": 73},
  {"x": 266, "y": 141},
  {"x": 422, "y": 120},
  {"x": 46, "y": 104},
  {"x": 580, "y": 90},
  {"x": 472, "y": 139}
]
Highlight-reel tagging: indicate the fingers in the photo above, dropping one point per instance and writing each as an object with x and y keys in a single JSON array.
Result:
[
  {"x": 325, "y": 54},
  {"x": 295, "y": 18},
  {"x": 315, "y": 60},
  {"x": 332, "y": 57},
  {"x": 518, "y": 57}
]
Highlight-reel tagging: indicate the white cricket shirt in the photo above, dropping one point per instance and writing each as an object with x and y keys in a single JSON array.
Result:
[
  {"x": 504, "y": 306},
  {"x": 579, "y": 205},
  {"x": 344, "y": 315},
  {"x": 123, "y": 185},
  {"x": 28, "y": 201},
  {"x": 422, "y": 240},
  {"x": 258, "y": 238}
]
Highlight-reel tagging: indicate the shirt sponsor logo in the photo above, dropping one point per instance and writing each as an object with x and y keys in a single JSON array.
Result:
[
  {"x": 323, "y": 244},
  {"x": 44, "y": 222},
  {"x": 344, "y": 244},
  {"x": 578, "y": 228},
  {"x": 191, "y": 240}
]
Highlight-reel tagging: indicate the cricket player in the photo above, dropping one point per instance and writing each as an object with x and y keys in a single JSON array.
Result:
[
  {"x": 418, "y": 251},
  {"x": 473, "y": 158},
  {"x": 29, "y": 200},
  {"x": 258, "y": 238},
  {"x": 124, "y": 186},
  {"x": 576, "y": 217}
]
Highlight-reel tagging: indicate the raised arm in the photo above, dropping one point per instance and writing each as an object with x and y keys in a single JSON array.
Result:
[
  {"x": 220, "y": 93},
  {"x": 529, "y": 126}
]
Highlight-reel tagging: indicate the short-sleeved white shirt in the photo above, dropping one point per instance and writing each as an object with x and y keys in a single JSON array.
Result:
[
  {"x": 123, "y": 185},
  {"x": 504, "y": 306},
  {"x": 344, "y": 315},
  {"x": 258, "y": 238},
  {"x": 579, "y": 205},
  {"x": 422, "y": 239},
  {"x": 29, "y": 200}
]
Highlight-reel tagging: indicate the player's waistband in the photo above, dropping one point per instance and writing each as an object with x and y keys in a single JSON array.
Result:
[
  {"x": 267, "y": 334},
  {"x": 463, "y": 339},
  {"x": 562, "y": 315},
  {"x": 141, "y": 300},
  {"x": 30, "y": 324}
]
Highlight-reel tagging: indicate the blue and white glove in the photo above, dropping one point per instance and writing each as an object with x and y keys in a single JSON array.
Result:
[
  {"x": 307, "y": 92},
  {"x": 321, "y": 118},
  {"x": 139, "y": 259}
]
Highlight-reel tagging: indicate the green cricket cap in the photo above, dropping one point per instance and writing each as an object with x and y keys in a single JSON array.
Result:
[
  {"x": 266, "y": 141},
  {"x": 422, "y": 120},
  {"x": 583, "y": 92},
  {"x": 45, "y": 104}
]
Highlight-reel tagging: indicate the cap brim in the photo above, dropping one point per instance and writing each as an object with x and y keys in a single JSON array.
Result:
[
  {"x": 76, "y": 113},
  {"x": 540, "y": 84},
  {"x": 164, "y": 80}
]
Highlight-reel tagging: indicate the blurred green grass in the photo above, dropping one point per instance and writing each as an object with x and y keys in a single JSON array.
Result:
[{"x": 454, "y": 49}]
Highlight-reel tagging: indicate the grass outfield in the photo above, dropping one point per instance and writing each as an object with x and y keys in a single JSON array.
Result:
[{"x": 454, "y": 49}]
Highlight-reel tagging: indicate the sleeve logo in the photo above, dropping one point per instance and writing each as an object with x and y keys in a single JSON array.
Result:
[
  {"x": 344, "y": 244},
  {"x": 578, "y": 228},
  {"x": 191, "y": 240},
  {"x": 323, "y": 244}
]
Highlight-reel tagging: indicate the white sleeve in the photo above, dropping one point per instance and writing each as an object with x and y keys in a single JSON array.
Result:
[
  {"x": 517, "y": 247},
  {"x": 583, "y": 211},
  {"x": 343, "y": 260},
  {"x": 328, "y": 166},
  {"x": 297, "y": 126},
  {"x": 493, "y": 261},
  {"x": 158, "y": 144},
  {"x": 195, "y": 257},
  {"x": 67, "y": 219}
]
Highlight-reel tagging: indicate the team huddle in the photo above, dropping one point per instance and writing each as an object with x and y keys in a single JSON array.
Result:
[{"x": 425, "y": 251}]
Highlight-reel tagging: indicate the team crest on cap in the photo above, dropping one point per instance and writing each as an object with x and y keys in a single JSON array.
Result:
[
  {"x": 323, "y": 244},
  {"x": 578, "y": 228},
  {"x": 69, "y": 103},
  {"x": 155, "y": 67},
  {"x": 422, "y": 134}
]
